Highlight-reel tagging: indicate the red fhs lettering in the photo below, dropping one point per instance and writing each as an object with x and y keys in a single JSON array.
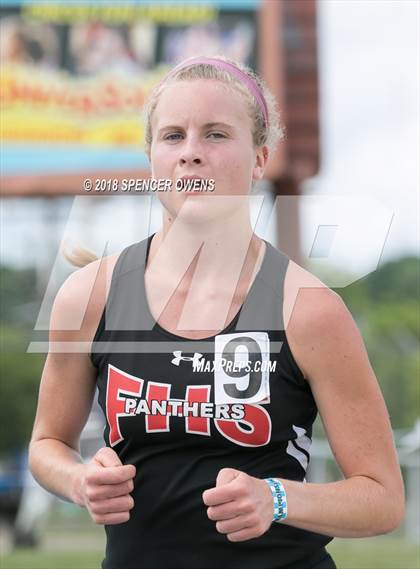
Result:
[
  {"x": 257, "y": 418},
  {"x": 119, "y": 386},
  {"x": 157, "y": 392}
]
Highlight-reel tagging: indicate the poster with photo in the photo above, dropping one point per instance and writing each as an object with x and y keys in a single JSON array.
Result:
[{"x": 75, "y": 76}]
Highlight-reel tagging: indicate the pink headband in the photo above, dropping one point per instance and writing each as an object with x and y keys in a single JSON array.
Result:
[{"x": 252, "y": 86}]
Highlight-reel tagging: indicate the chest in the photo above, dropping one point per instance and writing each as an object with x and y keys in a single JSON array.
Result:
[{"x": 194, "y": 312}]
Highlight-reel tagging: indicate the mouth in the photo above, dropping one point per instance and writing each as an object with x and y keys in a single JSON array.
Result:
[
  {"x": 192, "y": 184},
  {"x": 191, "y": 177}
]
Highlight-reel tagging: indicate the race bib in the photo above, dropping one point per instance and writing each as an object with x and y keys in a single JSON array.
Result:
[{"x": 242, "y": 368}]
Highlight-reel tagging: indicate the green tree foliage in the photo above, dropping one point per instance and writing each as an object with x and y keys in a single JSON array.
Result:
[
  {"x": 17, "y": 290},
  {"x": 20, "y": 374},
  {"x": 385, "y": 305}
]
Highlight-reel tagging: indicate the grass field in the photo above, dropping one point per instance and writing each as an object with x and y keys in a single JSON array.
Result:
[{"x": 72, "y": 542}]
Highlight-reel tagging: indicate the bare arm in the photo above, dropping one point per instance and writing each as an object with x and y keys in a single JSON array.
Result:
[
  {"x": 67, "y": 387},
  {"x": 54, "y": 453},
  {"x": 329, "y": 350}
]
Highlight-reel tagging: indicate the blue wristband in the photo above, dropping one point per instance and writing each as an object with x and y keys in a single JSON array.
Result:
[{"x": 279, "y": 499}]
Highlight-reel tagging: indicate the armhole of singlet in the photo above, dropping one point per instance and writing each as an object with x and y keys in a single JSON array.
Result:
[
  {"x": 93, "y": 356},
  {"x": 299, "y": 373}
]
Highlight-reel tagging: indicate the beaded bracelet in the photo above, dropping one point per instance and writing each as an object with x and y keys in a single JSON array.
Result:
[{"x": 279, "y": 498}]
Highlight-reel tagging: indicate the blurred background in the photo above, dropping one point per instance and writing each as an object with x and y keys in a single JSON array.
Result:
[{"x": 341, "y": 197}]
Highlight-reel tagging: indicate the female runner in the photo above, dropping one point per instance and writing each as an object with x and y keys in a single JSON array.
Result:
[{"x": 213, "y": 352}]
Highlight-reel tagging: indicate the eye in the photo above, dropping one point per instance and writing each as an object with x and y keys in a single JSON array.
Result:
[
  {"x": 217, "y": 134},
  {"x": 172, "y": 136}
]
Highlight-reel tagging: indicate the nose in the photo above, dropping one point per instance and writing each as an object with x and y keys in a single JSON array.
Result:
[{"x": 190, "y": 153}]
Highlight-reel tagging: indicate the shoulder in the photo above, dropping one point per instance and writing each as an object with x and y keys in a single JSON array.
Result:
[
  {"x": 79, "y": 303},
  {"x": 316, "y": 318},
  {"x": 307, "y": 296}
]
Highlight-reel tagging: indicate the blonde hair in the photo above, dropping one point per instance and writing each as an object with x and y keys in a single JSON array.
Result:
[
  {"x": 263, "y": 133},
  {"x": 78, "y": 256}
]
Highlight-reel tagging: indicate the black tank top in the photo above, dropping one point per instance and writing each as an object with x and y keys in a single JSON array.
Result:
[{"x": 182, "y": 409}]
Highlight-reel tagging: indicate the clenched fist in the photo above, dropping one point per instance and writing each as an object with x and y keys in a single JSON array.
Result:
[
  {"x": 104, "y": 488},
  {"x": 241, "y": 505}
]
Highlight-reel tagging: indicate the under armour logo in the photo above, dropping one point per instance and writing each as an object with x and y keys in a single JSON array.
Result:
[{"x": 178, "y": 357}]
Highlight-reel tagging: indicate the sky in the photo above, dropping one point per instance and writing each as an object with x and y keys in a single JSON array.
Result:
[
  {"x": 366, "y": 195},
  {"x": 369, "y": 93}
]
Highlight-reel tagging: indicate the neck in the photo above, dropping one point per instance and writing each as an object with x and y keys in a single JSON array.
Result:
[
  {"x": 217, "y": 263},
  {"x": 220, "y": 247}
]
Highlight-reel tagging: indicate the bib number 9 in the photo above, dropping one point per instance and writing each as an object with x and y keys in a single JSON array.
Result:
[{"x": 241, "y": 364}]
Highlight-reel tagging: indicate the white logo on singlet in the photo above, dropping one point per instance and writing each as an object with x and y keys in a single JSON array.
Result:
[{"x": 178, "y": 357}]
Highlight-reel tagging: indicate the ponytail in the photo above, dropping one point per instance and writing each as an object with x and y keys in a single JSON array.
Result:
[{"x": 79, "y": 256}]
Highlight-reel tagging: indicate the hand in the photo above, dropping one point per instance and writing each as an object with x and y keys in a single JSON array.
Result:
[
  {"x": 105, "y": 488},
  {"x": 241, "y": 505}
]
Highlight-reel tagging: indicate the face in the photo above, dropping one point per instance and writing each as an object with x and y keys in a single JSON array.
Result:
[{"x": 202, "y": 128}]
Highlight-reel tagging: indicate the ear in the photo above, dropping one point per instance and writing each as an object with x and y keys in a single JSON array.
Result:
[{"x": 261, "y": 159}]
